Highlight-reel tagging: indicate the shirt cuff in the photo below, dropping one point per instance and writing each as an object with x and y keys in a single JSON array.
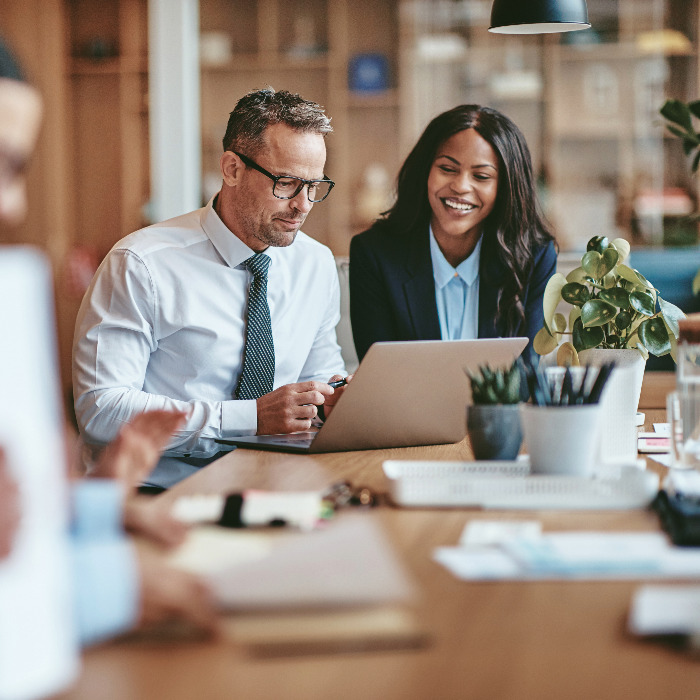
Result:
[{"x": 239, "y": 418}]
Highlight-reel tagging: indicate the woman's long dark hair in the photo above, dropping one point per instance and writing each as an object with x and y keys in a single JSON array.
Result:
[{"x": 514, "y": 229}]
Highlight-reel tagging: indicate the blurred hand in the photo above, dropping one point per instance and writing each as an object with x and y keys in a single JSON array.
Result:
[
  {"x": 170, "y": 594},
  {"x": 133, "y": 454},
  {"x": 291, "y": 407},
  {"x": 9, "y": 507},
  {"x": 149, "y": 518},
  {"x": 332, "y": 400}
]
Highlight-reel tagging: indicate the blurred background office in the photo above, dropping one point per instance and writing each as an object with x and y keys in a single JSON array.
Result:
[{"x": 138, "y": 93}]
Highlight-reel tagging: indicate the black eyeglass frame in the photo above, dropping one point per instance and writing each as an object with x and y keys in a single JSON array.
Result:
[{"x": 276, "y": 178}]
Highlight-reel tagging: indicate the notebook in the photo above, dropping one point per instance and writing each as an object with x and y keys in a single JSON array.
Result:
[{"x": 403, "y": 394}]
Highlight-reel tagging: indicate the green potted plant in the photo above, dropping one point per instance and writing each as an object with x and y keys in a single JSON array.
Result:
[
  {"x": 679, "y": 121},
  {"x": 493, "y": 418},
  {"x": 616, "y": 314},
  {"x": 612, "y": 307}
]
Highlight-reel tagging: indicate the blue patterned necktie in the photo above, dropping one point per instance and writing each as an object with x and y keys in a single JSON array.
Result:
[{"x": 258, "y": 372}]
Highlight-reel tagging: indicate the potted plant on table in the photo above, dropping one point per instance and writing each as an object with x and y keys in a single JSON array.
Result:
[
  {"x": 493, "y": 418},
  {"x": 612, "y": 307},
  {"x": 616, "y": 313}
]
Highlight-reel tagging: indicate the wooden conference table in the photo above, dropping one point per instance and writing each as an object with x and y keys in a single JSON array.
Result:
[{"x": 487, "y": 640}]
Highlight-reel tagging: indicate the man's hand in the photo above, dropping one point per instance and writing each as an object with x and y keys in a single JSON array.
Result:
[
  {"x": 133, "y": 454},
  {"x": 290, "y": 408},
  {"x": 9, "y": 507},
  {"x": 168, "y": 593},
  {"x": 332, "y": 400}
]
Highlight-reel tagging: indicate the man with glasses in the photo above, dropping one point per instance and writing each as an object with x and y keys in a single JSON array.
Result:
[{"x": 227, "y": 313}]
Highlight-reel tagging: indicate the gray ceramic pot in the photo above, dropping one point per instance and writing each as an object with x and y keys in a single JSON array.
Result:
[{"x": 494, "y": 431}]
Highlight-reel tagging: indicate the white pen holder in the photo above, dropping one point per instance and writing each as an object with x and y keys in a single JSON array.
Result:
[
  {"x": 616, "y": 443},
  {"x": 561, "y": 439}
]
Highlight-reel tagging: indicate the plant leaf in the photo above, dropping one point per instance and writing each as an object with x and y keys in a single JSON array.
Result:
[
  {"x": 512, "y": 385},
  {"x": 677, "y": 112},
  {"x": 577, "y": 275},
  {"x": 674, "y": 347},
  {"x": 543, "y": 342},
  {"x": 597, "y": 312},
  {"x": 689, "y": 144},
  {"x": 696, "y": 282},
  {"x": 552, "y": 297},
  {"x": 617, "y": 296},
  {"x": 642, "y": 303},
  {"x": 695, "y": 163},
  {"x": 597, "y": 265},
  {"x": 681, "y": 133},
  {"x": 623, "y": 248},
  {"x": 671, "y": 315},
  {"x": 654, "y": 336},
  {"x": 610, "y": 280},
  {"x": 694, "y": 108},
  {"x": 575, "y": 293},
  {"x": 584, "y": 338},
  {"x": 623, "y": 320},
  {"x": 567, "y": 355},
  {"x": 643, "y": 280},
  {"x": 559, "y": 323},
  {"x": 599, "y": 243},
  {"x": 637, "y": 279}
]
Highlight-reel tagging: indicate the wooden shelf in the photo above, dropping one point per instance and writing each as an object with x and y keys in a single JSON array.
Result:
[
  {"x": 387, "y": 99},
  {"x": 109, "y": 66},
  {"x": 254, "y": 62},
  {"x": 365, "y": 126}
]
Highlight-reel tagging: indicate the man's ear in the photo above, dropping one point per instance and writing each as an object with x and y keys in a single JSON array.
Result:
[{"x": 231, "y": 168}]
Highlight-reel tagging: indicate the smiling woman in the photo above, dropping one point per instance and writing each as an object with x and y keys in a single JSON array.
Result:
[{"x": 464, "y": 252}]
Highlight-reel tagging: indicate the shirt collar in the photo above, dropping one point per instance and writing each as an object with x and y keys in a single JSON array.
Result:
[
  {"x": 443, "y": 272},
  {"x": 229, "y": 246}
]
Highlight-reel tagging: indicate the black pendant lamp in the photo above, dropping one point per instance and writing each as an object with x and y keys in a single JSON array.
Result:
[{"x": 538, "y": 16}]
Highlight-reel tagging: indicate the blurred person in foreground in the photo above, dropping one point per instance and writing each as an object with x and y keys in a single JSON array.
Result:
[{"x": 120, "y": 583}]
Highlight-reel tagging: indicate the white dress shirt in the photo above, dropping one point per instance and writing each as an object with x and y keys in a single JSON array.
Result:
[
  {"x": 162, "y": 326},
  {"x": 456, "y": 293}
]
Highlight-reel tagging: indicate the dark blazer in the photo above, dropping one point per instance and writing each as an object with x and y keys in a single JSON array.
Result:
[{"x": 392, "y": 290}]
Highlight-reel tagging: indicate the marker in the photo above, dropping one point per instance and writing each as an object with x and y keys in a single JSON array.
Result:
[{"x": 338, "y": 383}]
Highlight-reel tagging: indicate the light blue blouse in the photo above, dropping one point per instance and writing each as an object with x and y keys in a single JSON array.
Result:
[{"x": 456, "y": 293}]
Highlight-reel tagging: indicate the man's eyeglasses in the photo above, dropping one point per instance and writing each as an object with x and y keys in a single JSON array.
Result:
[{"x": 287, "y": 187}]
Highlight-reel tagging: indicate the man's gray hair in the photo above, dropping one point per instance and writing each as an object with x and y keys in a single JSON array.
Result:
[{"x": 253, "y": 113}]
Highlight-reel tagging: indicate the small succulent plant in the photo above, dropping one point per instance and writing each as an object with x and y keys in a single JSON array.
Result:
[{"x": 494, "y": 386}]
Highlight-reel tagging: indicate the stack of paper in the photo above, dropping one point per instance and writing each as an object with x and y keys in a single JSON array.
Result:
[{"x": 339, "y": 587}]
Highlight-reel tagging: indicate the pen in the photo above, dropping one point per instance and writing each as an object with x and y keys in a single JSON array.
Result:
[{"x": 338, "y": 383}]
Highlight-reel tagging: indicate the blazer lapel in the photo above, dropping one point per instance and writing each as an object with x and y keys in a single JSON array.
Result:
[
  {"x": 490, "y": 279},
  {"x": 419, "y": 289}
]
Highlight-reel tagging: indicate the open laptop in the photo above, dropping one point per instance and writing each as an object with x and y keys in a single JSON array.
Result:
[{"x": 403, "y": 394}]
